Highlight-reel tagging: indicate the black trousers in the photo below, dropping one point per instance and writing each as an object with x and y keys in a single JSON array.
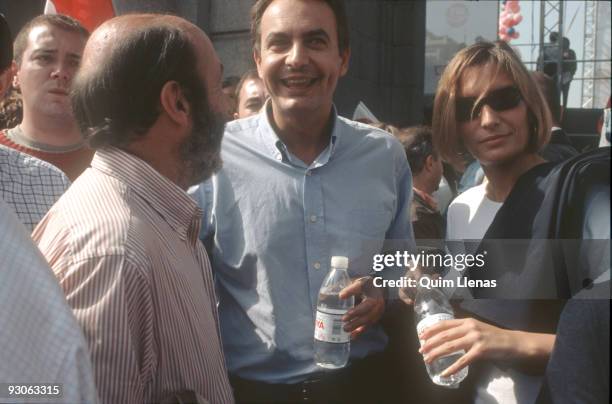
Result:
[{"x": 370, "y": 379}]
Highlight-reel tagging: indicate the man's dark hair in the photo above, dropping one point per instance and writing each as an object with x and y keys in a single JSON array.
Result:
[
  {"x": 59, "y": 21},
  {"x": 249, "y": 75},
  {"x": 553, "y": 37},
  {"x": 118, "y": 101},
  {"x": 418, "y": 145},
  {"x": 337, "y": 7},
  {"x": 11, "y": 109},
  {"x": 6, "y": 45},
  {"x": 549, "y": 90},
  {"x": 565, "y": 42},
  {"x": 230, "y": 81}
]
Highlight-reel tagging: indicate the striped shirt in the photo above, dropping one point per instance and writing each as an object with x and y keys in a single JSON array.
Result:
[{"x": 123, "y": 242}]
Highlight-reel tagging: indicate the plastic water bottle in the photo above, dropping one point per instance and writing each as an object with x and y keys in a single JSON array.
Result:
[
  {"x": 432, "y": 306},
  {"x": 332, "y": 344}
]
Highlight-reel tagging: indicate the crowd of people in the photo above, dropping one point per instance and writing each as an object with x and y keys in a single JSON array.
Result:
[{"x": 166, "y": 231}]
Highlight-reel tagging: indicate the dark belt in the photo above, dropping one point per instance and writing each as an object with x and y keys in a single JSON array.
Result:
[{"x": 321, "y": 387}]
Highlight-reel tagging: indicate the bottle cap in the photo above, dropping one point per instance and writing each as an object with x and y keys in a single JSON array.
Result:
[{"x": 338, "y": 261}]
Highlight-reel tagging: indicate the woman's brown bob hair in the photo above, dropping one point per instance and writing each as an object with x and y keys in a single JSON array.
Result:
[{"x": 446, "y": 135}]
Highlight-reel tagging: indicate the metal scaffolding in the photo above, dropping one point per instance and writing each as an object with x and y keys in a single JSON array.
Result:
[
  {"x": 551, "y": 20},
  {"x": 590, "y": 36},
  {"x": 594, "y": 65}
]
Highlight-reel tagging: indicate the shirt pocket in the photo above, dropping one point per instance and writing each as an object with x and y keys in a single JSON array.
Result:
[
  {"x": 361, "y": 237},
  {"x": 369, "y": 223}
]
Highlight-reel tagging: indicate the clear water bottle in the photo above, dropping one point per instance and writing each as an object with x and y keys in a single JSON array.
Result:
[
  {"x": 332, "y": 344},
  {"x": 432, "y": 306}
]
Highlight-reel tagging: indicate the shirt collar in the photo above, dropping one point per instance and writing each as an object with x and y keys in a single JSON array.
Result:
[
  {"x": 170, "y": 202},
  {"x": 275, "y": 146},
  {"x": 426, "y": 198}
]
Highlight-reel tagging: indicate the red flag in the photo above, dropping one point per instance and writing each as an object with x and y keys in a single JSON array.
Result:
[{"x": 90, "y": 13}]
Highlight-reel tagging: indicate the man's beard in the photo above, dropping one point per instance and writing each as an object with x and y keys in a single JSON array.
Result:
[{"x": 200, "y": 152}]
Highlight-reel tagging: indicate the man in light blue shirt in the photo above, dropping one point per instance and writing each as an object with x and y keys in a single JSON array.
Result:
[{"x": 299, "y": 185}]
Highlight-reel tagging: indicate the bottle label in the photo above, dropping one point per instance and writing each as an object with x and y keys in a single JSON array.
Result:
[
  {"x": 431, "y": 320},
  {"x": 329, "y": 326}
]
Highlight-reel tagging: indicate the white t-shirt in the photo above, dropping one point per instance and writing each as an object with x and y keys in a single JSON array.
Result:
[
  {"x": 470, "y": 214},
  {"x": 468, "y": 218}
]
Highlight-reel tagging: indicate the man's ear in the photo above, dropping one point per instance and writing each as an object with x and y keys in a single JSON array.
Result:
[
  {"x": 345, "y": 57},
  {"x": 257, "y": 59},
  {"x": 15, "y": 74},
  {"x": 429, "y": 163},
  {"x": 174, "y": 103}
]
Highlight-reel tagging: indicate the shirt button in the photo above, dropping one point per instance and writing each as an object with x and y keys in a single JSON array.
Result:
[
  {"x": 317, "y": 265},
  {"x": 309, "y": 173},
  {"x": 313, "y": 218}
]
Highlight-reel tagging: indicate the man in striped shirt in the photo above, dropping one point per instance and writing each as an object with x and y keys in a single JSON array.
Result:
[{"x": 123, "y": 241}]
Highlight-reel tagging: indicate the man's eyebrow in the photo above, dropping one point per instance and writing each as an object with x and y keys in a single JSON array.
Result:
[
  {"x": 309, "y": 34},
  {"x": 276, "y": 35},
  {"x": 317, "y": 32},
  {"x": 44, "y": 51},
  {"x": 74, "y": 55}
]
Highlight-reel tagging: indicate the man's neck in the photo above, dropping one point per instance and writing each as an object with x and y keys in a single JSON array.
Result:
[
  {"x": 305, "y": 135},
  {"x": 423, "y": 184},
  {"x": 163, "y": 160},
  {"x": 49, "y": 131}
]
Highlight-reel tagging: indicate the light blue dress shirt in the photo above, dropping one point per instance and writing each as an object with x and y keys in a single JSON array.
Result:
[
  {"x": 275, "y": 223},
  {"x": 41, "y": 339}
]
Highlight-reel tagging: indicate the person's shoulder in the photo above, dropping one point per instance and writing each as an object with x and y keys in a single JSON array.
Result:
[
  {"x": 3, "y": 135},
  {"x": 243, "y": 127},
  {"x": 24, "y": 163},
  {"x": 420, "y": 207},
  {"x": 6, "y": 141},
  {"x": 94, "y": 211},
  {"x": 363, "y": 129},
  {"x": 369, "y": 136}
]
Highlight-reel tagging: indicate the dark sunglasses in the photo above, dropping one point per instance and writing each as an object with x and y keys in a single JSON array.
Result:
[{"x": 501, "y": 99}]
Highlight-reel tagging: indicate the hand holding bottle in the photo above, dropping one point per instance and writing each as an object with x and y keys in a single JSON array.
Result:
[
  {"x": 431, "y": 308},
  {"x": 369, "y": 311},
  {"x": 481, "y": 341}
]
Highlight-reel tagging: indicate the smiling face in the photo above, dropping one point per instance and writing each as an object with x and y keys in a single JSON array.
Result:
[
  {"x": 299, "y": 59},
  {"x": 493, "y": 137},
  {"x": 48, "y": 65}
]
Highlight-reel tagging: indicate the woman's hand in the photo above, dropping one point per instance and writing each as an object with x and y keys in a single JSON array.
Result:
[{"x": 480, "y": 340}]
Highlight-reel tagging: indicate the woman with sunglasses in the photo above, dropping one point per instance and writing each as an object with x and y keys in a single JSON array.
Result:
[{"x": 488, "y": 105}]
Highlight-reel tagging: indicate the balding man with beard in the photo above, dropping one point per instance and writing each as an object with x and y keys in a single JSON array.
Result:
[{"x": 123, "y": 241}]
